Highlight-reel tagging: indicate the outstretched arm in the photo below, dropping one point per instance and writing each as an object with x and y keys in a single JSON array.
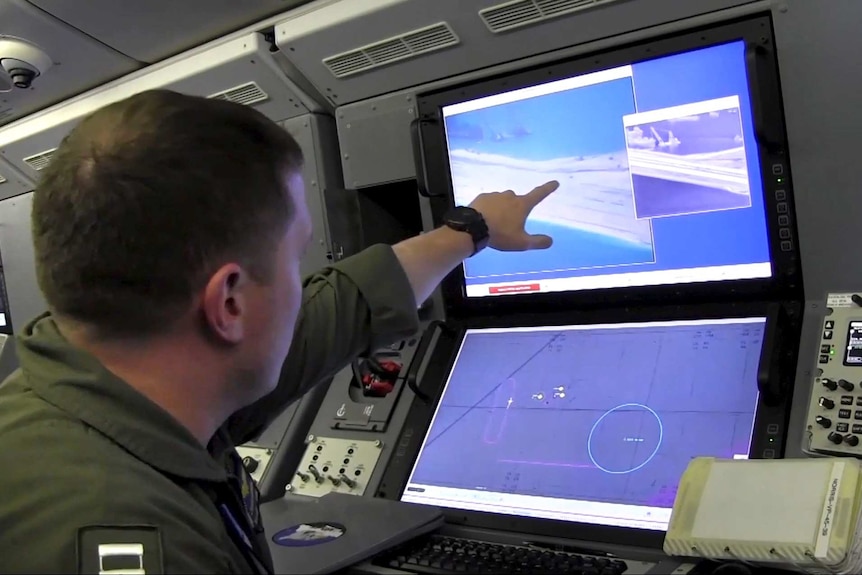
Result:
[
  {"x": 370, "y": 299},
  {"x": 428, "y": 258}
]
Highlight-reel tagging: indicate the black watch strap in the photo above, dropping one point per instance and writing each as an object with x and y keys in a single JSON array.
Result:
[{"x": 469, "y": 220}]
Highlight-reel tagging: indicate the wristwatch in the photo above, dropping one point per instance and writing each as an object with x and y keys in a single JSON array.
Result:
[{"x": 465, "y": 219}]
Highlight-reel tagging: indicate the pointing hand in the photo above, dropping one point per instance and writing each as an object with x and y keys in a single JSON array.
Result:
[{"x": 506, "y": 214}]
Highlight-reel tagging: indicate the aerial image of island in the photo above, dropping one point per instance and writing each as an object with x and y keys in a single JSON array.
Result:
[{"x": 575, "y": 137}]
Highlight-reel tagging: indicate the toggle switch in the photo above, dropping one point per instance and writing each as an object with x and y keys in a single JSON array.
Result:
[
  {"x": 347, "y": 481},
  {"x": 317, "y": 476}
]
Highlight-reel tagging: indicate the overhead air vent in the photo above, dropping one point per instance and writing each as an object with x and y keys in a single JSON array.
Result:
[
  {"x": 245, "y": 94},
  {"x": 396, "y": 49},
  {"x": 40, "y": 161},
  {"x": 511, "y": 15}
]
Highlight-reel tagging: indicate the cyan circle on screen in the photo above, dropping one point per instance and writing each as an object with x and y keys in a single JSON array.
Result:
[{"x": 645, "y": 461}]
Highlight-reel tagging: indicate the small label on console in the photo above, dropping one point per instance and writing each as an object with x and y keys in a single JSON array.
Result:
[
  {"x": 824, "y": 533},
  {"x": 840, "y": 300}
]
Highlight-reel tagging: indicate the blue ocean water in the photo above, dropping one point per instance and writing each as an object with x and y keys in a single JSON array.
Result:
[{"x": 572, "y": 249}]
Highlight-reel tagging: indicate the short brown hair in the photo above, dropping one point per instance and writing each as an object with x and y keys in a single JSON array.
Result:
[{"x": 147, "y": 197}]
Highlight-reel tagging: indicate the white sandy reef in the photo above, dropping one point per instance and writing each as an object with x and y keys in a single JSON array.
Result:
[{"x": 595, "y": 191}]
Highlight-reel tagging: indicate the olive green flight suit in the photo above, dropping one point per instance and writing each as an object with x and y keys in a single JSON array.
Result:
[{"x": 94, "y": 476}]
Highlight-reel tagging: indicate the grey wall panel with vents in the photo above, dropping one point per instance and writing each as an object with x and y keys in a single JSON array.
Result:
[
  {"x": 316, "y": 36},
  {"x": 12, "y": 182},
  {"x": 16, "y": 247},
  {"x": 316, "y": 135},
  {"x": 241, "y": 69}
]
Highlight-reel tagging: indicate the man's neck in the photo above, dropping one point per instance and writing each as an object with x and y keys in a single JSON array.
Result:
[{"x": 171, "y": 372}]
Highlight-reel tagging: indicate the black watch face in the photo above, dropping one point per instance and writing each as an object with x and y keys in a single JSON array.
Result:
[{"x": 463, "y": 215}]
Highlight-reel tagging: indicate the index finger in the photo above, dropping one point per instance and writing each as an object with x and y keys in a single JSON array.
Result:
[{"x": 536, "y": 195}]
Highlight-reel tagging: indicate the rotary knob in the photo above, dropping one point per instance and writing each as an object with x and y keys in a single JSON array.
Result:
[
  {"x": 835, "y": 437},
  {"x": 851, "y": 440},
  {"x": 829, "y": 384},
  {"x": 250, "y": 463},
  {"x": 826, "y": 403},
  {"x": 823, "y": 422},
  {"x": 845, "y": 385}
]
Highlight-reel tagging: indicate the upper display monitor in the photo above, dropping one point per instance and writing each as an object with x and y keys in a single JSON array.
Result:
[{"x": 659, "y": 172}]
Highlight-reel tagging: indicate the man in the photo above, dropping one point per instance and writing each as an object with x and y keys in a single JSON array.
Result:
[{"x": 168, "y": 232}]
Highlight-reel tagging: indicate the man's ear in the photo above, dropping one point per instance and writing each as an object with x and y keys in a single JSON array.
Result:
[{"x": 224, "y": 304}]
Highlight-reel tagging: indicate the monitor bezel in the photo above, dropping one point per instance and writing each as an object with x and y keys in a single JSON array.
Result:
[
  {"x": 785, "y": 283},
  {"x": 768, "y": 437}
]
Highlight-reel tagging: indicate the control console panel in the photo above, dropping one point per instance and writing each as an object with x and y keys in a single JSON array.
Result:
[
  {"x": 834, "y": 422},
  {"x": 357, "y": 426},
  {"x": 338, "y": 465}
]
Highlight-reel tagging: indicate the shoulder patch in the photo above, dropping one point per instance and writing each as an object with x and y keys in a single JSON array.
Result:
[{"x": 120, "y": 550}]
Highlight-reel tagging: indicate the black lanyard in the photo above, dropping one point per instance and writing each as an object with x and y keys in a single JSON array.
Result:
[
  {"x": 240, "y": 537},
  {"x": 238, "y": 528}
]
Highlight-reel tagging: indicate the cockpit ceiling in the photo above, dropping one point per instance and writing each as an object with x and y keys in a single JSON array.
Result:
[
  {"x": 91, "y": 42},
  {"x": 152, "y": 30}
]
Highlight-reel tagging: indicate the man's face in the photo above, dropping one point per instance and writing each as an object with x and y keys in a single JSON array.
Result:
[{"x": 273, "y": 308}]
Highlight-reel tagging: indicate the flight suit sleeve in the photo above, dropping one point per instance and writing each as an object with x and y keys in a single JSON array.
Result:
[
  {"x": 363, "y": 302},
  {"x": 95, "y": 508}
]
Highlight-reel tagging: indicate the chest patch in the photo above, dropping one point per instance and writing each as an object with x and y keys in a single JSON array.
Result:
[{"x": 116, "y": 549}]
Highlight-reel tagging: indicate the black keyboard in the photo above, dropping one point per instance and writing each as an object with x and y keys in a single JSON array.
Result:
[{"x": 439, "y": 554}]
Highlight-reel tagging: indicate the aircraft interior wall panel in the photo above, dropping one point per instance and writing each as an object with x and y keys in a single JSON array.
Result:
[
  {"x": 384, "y": 120},
  {"x": 151, "y": 30},
  {"x": 818, "y": 47},
  {"x": 16, "y": 243},
  {"x": 314, "y": 36},
  {"x": 821, "y": 78},
  {"x": 316, "y": 136},
  {"x": 242, "y": 68},
  {"x": 79, "y": 62},
  {"x": 12, "y": 182}
]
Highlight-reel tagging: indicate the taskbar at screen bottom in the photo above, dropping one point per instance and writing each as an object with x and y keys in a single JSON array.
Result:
[
  {"x": 622, "y": 280},
  {"x": 571, "y": 510}
]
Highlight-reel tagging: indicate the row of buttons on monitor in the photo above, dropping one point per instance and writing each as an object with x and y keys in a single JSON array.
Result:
[
  {"x": 782, "y": 208},
  {"x": 783, "y": 221}
]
